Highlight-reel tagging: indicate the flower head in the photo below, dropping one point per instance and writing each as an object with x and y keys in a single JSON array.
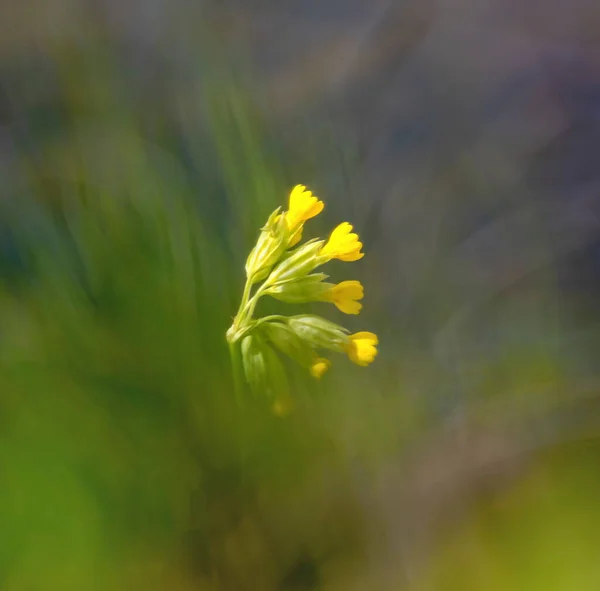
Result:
[
  {"x": 343, "y": 244},
  {"x": 319, "y": 367},
  {"x": 345, "y": 295},
  {"x": 362, "y": 348},
  {"x": 277, "y": 267}
]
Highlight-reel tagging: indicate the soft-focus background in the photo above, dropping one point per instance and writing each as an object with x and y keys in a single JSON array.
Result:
[{"x": 142, "y": 145}]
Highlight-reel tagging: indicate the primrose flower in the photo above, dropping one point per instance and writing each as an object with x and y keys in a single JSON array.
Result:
[
  {"x": 362, "y": 348},
  {"x": 303, "y": 206},
  {"x": 343, "y": 244},
  {"x": 345, "y": 295},
  {"x": 319, "y": 367}
]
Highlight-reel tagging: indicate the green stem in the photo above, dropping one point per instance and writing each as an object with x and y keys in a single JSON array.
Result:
[
  {"x": 236, "y": 368},
  {"x": 250, "y": 307},
  {"x": 238, "y": 387},
  {"x": 244, "y": 302},
  {"x": 247, "y": 305}
]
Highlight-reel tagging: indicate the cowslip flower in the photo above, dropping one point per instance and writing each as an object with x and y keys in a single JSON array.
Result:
[
  {"x": 313, "y": 288},
  {"x": 345, "y": 296},
  {"x": 343, "y": 244},
  {"x": 302, "y": 206},
  {"x": 362, "y": 348}
]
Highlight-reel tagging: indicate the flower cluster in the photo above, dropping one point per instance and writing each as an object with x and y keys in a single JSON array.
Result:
[{"x": 286, "y": 271}]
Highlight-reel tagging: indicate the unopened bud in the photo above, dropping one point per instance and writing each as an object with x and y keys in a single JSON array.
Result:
[
  {"x": 310, "y": 288},
  {"x": 253, "y": 358},
  {"x": 298, "y": 264},
  {"x": 288, "y": 342},
  {"x": 263, "y": 368},
  {"x": 270, "y": 246},
  {"x": 319, "y": 333}
]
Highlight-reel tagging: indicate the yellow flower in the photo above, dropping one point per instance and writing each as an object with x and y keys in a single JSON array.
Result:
[
  {"x": 362, "y": 348},
  {"x": 343, "y": 244},
  {"x": 303, "y": 205},
  {"x": 319, "y": 367},
  {"x": 345, "y": 295}
]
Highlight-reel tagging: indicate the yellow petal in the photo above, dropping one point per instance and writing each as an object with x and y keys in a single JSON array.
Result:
[
  {"x": 296, "y": 196},
  {"x": 366, "y": 336},
  {"x": 340, "y": 232},
  {"x": 348, "y": 306},
  {"x": 350, "y": 257},
  {"x": 350, "y": 290}
]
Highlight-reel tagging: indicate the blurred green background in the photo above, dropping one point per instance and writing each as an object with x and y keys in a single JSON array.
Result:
[{"x": 134, "y": 183}]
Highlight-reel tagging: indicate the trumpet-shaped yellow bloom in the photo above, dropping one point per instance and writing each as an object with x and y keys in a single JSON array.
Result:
[
  {"x": 362, "y": 348},
  {"x": 319, "y": 367},
  {"x": 343, "y": 244},
  {"x": 303, "y": 205},
  {"x": 345, "y": 295}
]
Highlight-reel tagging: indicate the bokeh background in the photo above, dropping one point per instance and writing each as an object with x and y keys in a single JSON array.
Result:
[{"x": 142, "y": 145}]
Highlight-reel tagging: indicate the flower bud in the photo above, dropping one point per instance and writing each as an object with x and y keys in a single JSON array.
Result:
[
  {"x": 310, "y": 288},
  {"x": 288, "y": 342},
  {"x": 270, "y": 246},
  {"x": 254, "y": 361},
  {"x": 263, "y": 368},
  {"x": 319, "y": 333},
  {"x": 298, "y": 264}
]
